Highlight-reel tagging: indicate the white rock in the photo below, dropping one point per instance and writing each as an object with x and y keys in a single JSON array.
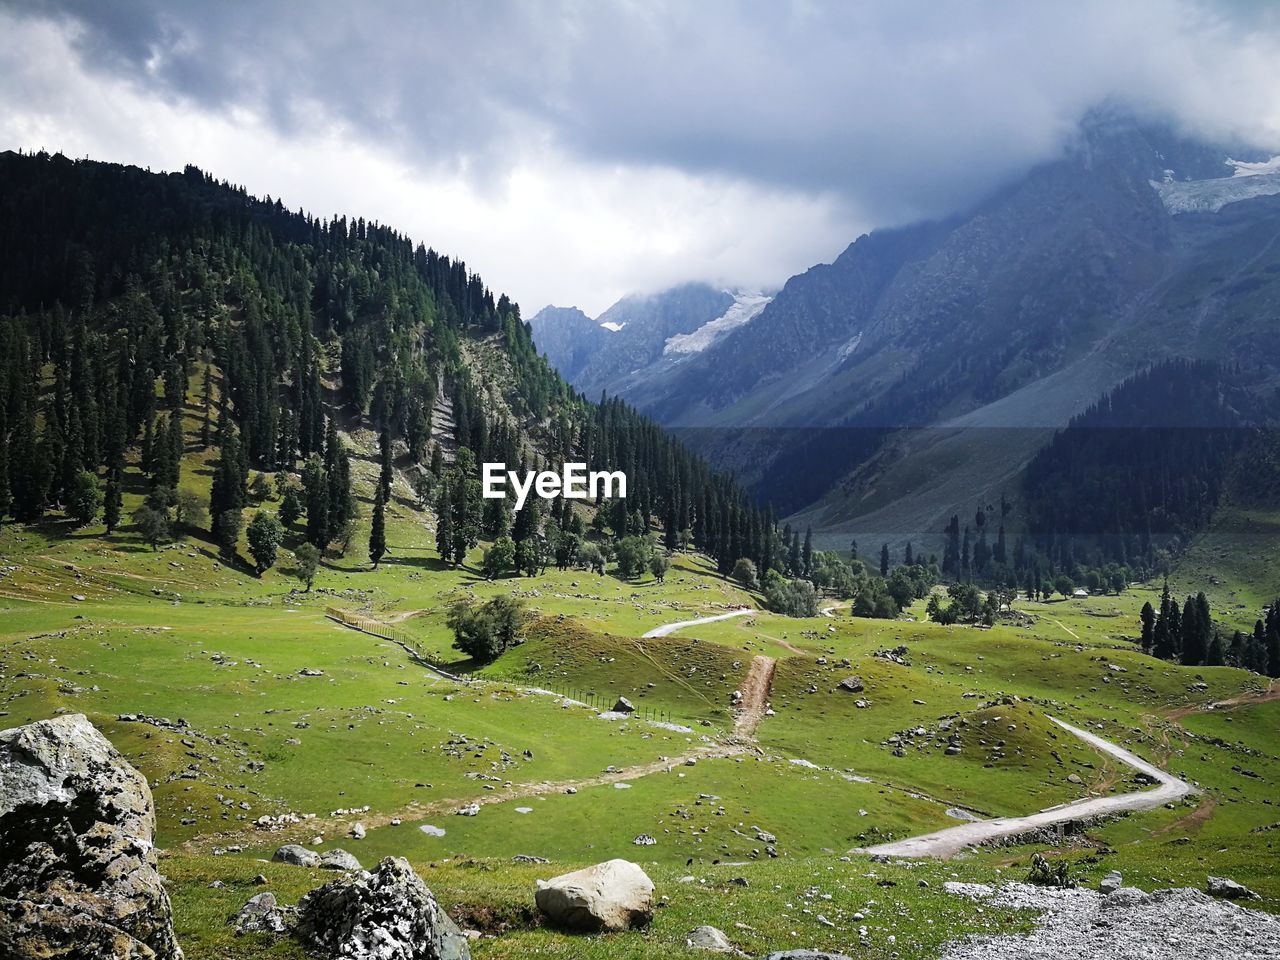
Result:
[{"x": 611, "y": 896}]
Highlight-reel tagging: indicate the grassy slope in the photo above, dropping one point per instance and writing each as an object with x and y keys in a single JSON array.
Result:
[{"x": 374, "y": 729}]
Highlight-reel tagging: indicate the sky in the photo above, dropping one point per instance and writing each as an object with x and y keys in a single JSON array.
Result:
[{"x": 573, "y": 151}]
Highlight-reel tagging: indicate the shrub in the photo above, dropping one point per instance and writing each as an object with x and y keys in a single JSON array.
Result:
[
  {"x": 485, "y": 631},
  {"x": 745, "y": 573},
  {"x": 792, "y": 598}
]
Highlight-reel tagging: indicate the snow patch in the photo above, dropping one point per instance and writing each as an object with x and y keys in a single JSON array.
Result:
[
  {"x": 1246, "y": 169},
  {"x": 746, "y": 307},
  {"x": 1210, "y": 196},
  {"x": 612, "y": 326},
  {"x": 847, "y": 350}
]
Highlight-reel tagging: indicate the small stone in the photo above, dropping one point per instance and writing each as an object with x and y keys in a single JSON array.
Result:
[{"x": 708, "y": 938}]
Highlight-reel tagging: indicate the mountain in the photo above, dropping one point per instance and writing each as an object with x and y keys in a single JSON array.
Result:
[
  {"x": 568, "y": 338},
  {"x": 641, "y": 336},
  {"x": 916, "y": 375},
  {"x": 312, "y": 344}
]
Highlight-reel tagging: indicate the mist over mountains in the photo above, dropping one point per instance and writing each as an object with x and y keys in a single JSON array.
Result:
[{"x": 935, "y": 360}]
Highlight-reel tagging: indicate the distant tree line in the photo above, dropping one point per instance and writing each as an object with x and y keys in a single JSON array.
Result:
[{"x": 1187, "y": 634}]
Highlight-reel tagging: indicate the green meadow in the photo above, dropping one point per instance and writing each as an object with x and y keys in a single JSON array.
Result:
[{"x": 240, "y": 698}]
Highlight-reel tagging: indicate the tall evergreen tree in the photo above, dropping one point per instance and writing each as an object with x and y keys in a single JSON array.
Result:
[
  {"x": 378, "y": 531},
  {"x": 444, "y": 525},
  {"x": 385, "y": 457}
]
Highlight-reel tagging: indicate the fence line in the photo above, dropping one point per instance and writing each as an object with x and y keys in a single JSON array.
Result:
[
  {"x": 603, "y": 702},
  {"x": 376, "y": 628}
]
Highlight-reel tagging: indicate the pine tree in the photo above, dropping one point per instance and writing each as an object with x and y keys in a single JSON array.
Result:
[
  {"x": 1272, "y": 634},
  {"x": 385, "y": 477},
  {"x": 177, "y": 447},
  {"x": 316, "y": 485},
  {"x": 806, "y": 555},
  {"x": 884, "y": 560},
  {"x": 1148, "y": 617},
  {"x": 5, "y": 498},
  {"x": 444, "y": 525},
  {"x": 378, "y": 531},
  {"x": 206, "y": 406},
  {"x": 113, "y": 503}
]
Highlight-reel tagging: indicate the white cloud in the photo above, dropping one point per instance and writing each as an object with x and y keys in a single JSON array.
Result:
[
  {"x": 550, "y": 228},
  {"x": 573, "y": 151}
]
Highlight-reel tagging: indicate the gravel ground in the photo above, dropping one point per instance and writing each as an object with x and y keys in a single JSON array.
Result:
[{"x": 1126, "y": 925}]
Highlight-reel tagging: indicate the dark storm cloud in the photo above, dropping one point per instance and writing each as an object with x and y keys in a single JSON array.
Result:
[{"x": 898, "y": 109}]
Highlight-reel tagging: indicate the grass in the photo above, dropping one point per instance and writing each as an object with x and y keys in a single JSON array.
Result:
[{"x": 177, "y": 634}]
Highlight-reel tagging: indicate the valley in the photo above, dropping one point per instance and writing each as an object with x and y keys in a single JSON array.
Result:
[
  {"x": 245, "y": 537},
  {"x": 205, "y": 691}
]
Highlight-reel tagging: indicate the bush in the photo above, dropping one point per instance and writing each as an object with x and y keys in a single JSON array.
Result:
[
  {"x": 592, "y": 558},
  {"x": 658, "y": 565},
  {"x": 499, "y": 558},
  {"x": 152, "y": 523},
  {"x": 791, "y": 598},
  {"x": 190, "y": 510},
  {"x": 307, "y": 558},
  {"x": 264, "y": 534},
  {"x": 745, "y": 573},
  {"x": 633, "y": 556},
  {"x": 1044, "y": 874},
  {"x": 85, "y": 499},
  {"x": 484, "y": 632}
]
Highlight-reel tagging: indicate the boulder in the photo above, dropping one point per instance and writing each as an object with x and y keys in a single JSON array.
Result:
[
  {"x": 261, "y": 914},
  {"x": 708, "y": 938},
  {"x": 388, "y": 914},
  {"x": 1112, "y": 882},
  {"x": 297, "y": 856},
  {"x": 1230, "y": 890},
  {"x": 77, "y": 828},
  {"x": 611, "y": 896},
  {"x": 851, "y": 685},
  {"x": 624, "y": 706},
  {"x": 338, "y": 859},
  {"x": 805, "y": 955}
]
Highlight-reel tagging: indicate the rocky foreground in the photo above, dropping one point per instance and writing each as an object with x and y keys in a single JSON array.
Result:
[
  {"x": 77, "y": 830},
  {"x": 1126, "y": 924},
  {"x": 79, "y": 881}
]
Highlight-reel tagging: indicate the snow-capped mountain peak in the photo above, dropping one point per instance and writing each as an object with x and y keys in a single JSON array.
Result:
[{"x": 746, "y": 306}]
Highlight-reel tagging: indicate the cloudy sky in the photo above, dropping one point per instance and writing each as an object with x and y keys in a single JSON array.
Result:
[{"x": 575, "y": 151}]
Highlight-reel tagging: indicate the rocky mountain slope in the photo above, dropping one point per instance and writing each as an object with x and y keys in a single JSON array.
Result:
[
  {"x": 640, "y": 337},
  {"x": 916, "y": 374}
]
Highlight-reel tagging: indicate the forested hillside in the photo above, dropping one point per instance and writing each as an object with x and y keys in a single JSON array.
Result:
[
  {"x": 1143, "y": 469},
  {"x": 121, "y": 290}
]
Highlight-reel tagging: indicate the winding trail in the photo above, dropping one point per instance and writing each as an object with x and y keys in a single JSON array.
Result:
[
  {"x": 669, "y": 628},
  {"x": 948, "y": 842},
  {"x": 755, "y": 702}
]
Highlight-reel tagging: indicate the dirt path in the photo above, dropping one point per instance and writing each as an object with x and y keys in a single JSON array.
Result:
[
  {"x": 1074, "y": 635},
  {"x": 948, "y": 842},
  {"x": 1244, "y": 700},
  {"x": 333, "y": 827},
  {"x": 755, "y": 696},
  {"x": 755, "y": 701},
  {"x": 669, "y": 628}
]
